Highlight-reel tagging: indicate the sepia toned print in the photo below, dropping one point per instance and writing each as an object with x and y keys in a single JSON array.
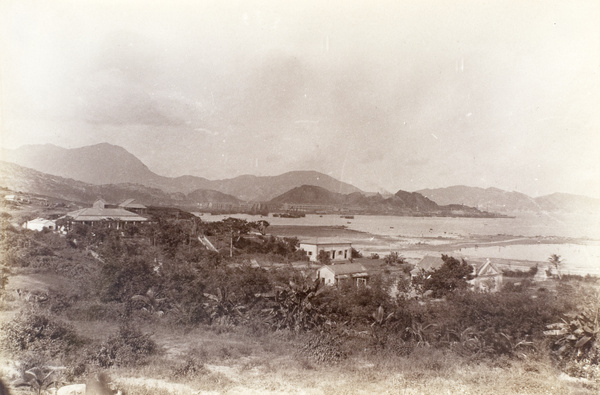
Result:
[{"x": 299, "y": 197}]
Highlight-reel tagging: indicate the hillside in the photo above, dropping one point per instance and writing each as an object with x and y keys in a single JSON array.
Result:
[
  {"x": 255, "y": 188},
  {"x": 110, "y": 164},
  {"x": 488, "y": 199},
  {"x": 19, "y": 178},
  {"x": 401, "y": 203},
  {"x": 309, "y": 194},
  {"x": 566, "y": 202}
]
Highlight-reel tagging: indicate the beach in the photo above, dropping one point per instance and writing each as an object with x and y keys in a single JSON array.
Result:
[{"x": 516, "y": 243}]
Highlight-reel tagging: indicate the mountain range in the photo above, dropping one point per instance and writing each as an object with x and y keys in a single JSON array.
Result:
[
  {"x": 401, "y": 203},
  {"x": 110, "y": 164},
  {"x": 498, "y": 200},
  {"x": 106, "y": 170}
]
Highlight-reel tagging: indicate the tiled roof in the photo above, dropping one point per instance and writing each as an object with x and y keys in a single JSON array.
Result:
[
  {"x": 129, "y": 203},
  {"x": 99, "y": 214},
  {"x": 347, "y": 268},
  {"x": 430, "y": 263}
]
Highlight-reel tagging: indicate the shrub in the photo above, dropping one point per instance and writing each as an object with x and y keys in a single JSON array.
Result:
[
  {"x": 325, "y": 348},
  {"x": 393, "y": 258},
  {"x": 355, "y": 253},
  {"x": 38, "y": 332},
  {"x": 128, "y": 347}
]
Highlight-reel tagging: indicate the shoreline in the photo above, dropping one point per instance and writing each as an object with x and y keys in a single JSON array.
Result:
[{"x": 415, "y": 248}]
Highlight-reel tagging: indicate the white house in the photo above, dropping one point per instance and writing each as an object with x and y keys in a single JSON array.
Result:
[
  {"x": 488, "y": 278},
  {"x": 486, "y": 275},
  {"x": 39, "y": 224},
  {"x": 338, "y": 250},
  {"x": 339, "y": 274}
]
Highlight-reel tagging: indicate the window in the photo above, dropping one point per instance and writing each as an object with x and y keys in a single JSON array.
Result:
[
  {"x": 361, "y": 281},
  {"x": 309, "y": 252}
]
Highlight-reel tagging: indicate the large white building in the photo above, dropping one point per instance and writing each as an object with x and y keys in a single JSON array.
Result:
[
  {"x": 40, "y": 224},
  {"x": 338, "y": 250}
]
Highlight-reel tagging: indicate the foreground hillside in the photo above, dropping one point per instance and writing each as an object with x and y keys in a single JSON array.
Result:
[{"x": 159, "y": 313}]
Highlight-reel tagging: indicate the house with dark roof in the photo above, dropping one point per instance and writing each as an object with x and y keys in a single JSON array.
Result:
[
  {"x": 100, "y": 215},
  {"x": 487, "y": 276},
  {"x": 134, "y": 207},
  {"x": 354, "y": 273}
]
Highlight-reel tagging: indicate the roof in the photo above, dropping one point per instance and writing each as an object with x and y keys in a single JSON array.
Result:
[
  {"x": 347, "y": 268},
  {"x": 100, "y": 214},
  {"x": 129, "y": 203},
  {"x": 485, "y": 268},
  {"x": 42, "y": 221},
  {"x": 430, "y": 262},
  {"x": 325, "y": 241}
]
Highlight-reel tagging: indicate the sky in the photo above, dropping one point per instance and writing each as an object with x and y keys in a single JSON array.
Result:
[{"x": 385, "y": 95}]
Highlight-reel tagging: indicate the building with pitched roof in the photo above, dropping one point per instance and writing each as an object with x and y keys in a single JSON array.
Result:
[
  {"x": 134, "y": 207},
  {"x": 40, "y": 224},
  {"x": 354, "y": 273},
  {"x": 487, "y": 276},
  {"x": 99, "y": 215}
]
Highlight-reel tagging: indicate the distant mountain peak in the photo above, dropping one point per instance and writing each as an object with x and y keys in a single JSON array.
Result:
[{"x": 106, "y": 163}]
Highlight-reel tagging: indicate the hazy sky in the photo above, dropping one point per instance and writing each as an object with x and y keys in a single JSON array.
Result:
[{"x": 381, "y": 94}]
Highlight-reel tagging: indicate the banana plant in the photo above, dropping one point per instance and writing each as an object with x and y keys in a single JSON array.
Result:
[
  {"x": 380, "y": 318},
  {"x": 39, "y": 379},
  {"x": 294, "y": 307},
  {"x": 579, "y": 333},
  {"x": 150, "y": 300},
  {"x": 222, "y": 309},
  {"x": 420, "y": 332}
]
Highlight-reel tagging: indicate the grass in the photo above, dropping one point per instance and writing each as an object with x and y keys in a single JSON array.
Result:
[{"x": 207, "y": 360}]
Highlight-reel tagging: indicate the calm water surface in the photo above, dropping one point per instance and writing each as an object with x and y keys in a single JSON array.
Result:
[
  {"x": 559, "y": 225},
  {"x": 580, "y": 257}
]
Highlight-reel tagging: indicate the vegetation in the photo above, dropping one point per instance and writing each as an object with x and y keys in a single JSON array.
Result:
[
  {"x": 452, "y": 276},
  {"x": 556, "y": 262},
  {"x": 138, "y": 290}
]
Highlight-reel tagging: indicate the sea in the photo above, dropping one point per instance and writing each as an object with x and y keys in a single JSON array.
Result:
[{"x": 575, "y": 237}]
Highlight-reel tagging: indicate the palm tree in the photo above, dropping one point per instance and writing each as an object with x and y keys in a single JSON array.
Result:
[{"x": 555, "y": 260}]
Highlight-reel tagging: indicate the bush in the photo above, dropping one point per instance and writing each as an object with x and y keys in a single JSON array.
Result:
[
  {"x": 325, "y": 348},
  {"x": 128, "y": 347},
  {"x": 38, "y": 332}
]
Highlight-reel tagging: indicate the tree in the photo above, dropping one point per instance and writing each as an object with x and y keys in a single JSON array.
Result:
[
  {"x": 394, "y": 258},
  {"x": 556, "y": 261},
  {"x": 324, "y": 257},
  {"x": 453, "y": 275},
  {"x": 261, "y": 226}
]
